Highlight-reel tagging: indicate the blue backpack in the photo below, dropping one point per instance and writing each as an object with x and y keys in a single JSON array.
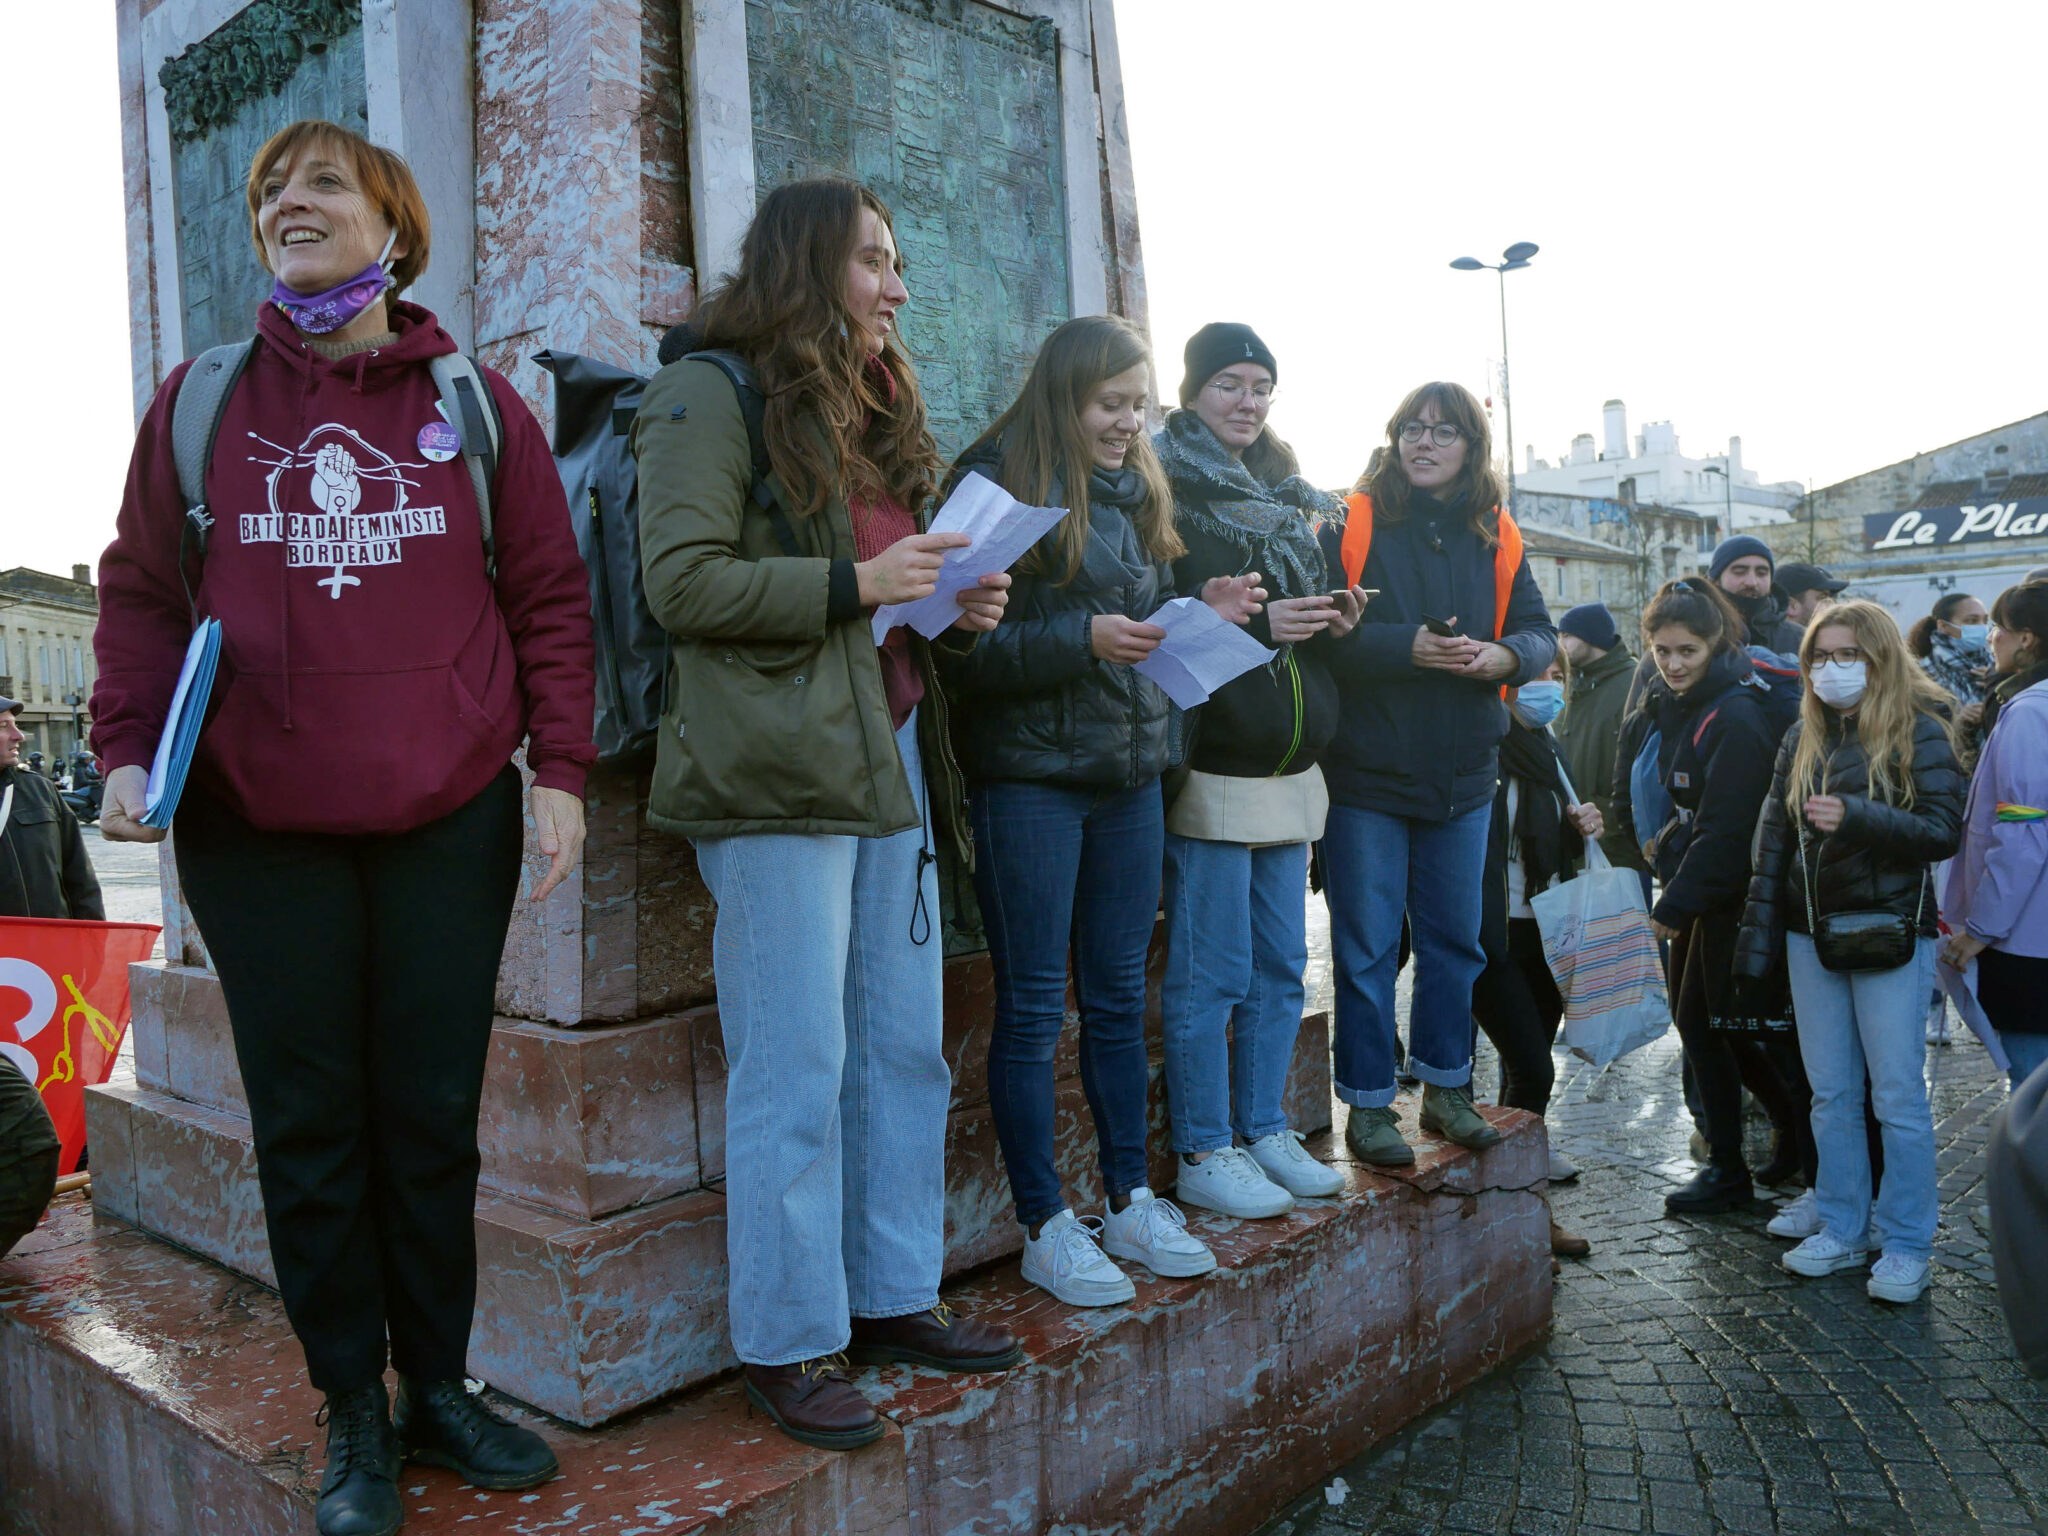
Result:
[
  {"x": 1650, "y": 804},
  {"x": 1779, "y": 677}
]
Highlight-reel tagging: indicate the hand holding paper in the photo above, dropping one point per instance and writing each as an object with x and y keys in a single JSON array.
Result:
[
  {"x": 1201, "y": 652},
  {"x": 1000, "y": 531}
]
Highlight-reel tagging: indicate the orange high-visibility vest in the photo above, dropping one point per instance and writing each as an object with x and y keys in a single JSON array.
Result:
[{"x": 1507, "y": 554}]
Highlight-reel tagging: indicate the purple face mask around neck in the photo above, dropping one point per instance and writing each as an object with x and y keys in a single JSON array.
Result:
[{"x": 321, "y": 314}]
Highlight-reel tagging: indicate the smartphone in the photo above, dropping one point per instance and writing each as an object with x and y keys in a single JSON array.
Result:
[
  {"x": 1365, "y": 594},
  {"x": 1438, "y": 626}
]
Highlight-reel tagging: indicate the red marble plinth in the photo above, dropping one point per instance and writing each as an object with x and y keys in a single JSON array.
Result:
[{"x": 150, "y": 1391}]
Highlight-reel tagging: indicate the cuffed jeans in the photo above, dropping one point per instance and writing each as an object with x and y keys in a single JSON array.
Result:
[
  {"x": 1059, "y": 867},
  {"x": 1236, "y": 948},
  {"x": 1850, "y": 1022},
  {"x": 1379, "y": 866},
  {"x": 837, "y": 1085}
]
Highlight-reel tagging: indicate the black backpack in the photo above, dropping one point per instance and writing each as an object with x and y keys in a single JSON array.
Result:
[{"x": 595, "y": 403}]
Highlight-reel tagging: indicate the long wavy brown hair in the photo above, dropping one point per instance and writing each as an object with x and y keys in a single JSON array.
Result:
[
  {"x": 1480, "y": 486},
  {"x": 834, "y": 423},
  {"x": 1042, "y": 442},
  {"x": 1896, "y": 693}
]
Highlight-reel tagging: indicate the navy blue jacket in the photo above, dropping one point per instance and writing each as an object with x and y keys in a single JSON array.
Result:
[{"x": 1410, "y": 742}]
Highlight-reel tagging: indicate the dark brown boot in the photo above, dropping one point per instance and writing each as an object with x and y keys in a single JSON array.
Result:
[
  {"x": 1568, "y": 1244},
  {"x": 814, "y": 1401},
  {"x": 940, "y": 1338}
]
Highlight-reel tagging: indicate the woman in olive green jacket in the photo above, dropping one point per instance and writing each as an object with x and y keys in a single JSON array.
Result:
[{"x": 804, "y": 760}]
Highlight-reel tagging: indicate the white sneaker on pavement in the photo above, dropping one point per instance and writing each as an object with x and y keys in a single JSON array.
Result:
[
  {"x": 1937, "y": 1022},
  {"x": 1286, "y": 1162},
  {"x": 1229, "y": 1183},
  {"x": 1821, "y": 1255},
  {"x": 1799, "y": 1218},
  {"x": 1065, "y": 1260},
  {"x": 1897, "y": 1278},
  {"x": 1562, "y": 1169},
  {"x": 1154, "y": 1233}
]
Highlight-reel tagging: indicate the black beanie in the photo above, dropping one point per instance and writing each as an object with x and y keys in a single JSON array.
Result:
[
  {"x": 1592, "y": 623},
  {"x": 1214, "y": 348},
  {"x": 1739, "y": 547}
]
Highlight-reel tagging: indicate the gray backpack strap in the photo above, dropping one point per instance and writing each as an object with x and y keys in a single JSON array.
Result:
[
  {"x": 467, "y": 402},
  {"x": 195, "y": 416}
]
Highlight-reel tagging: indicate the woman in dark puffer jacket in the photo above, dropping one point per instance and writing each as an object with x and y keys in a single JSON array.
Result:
[{"x": 1866, "y": 796}]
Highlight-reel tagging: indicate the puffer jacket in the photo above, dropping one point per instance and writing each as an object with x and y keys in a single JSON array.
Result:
[
  {"x": 1034, "y": 702},
  {"x": 1876, "y": 861}
]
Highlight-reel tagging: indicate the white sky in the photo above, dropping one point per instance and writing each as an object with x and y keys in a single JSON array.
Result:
[{"x": 1816, "y": 225}]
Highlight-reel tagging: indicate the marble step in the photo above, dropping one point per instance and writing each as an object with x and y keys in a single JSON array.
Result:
[{"x": 150, "y": 1391}]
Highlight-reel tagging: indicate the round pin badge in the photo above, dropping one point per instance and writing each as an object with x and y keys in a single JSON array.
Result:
[{"x": 439, "y": 441}]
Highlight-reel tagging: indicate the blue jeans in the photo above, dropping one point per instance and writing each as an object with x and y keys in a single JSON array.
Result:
[
  {"x": 837, "y": 1086},
  {"x": 1381, "y": 865},
  {"x": 1849, "y": 1023},
  {"x": 1236, "y": 947},
  {"x": 1058, "y": 868},
  {"x": 2026, "y": 1052}
]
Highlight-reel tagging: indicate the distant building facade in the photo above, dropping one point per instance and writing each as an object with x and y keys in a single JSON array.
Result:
[
  {"x": 1603, "y": 549},
  {"x": 1969, "y": 517},
  {"x": 1716, "y": 486},
  {"x": 47, "y": 622}
]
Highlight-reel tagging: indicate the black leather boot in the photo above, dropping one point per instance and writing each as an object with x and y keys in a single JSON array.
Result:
[
  {"x": 446, "y": 1425},
  {"x": 1713, "y": 1189},
  {"x": 359, "y": 1489}
]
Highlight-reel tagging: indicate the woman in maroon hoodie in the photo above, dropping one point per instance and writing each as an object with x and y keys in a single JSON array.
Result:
[{"x": 350, "y": 839}]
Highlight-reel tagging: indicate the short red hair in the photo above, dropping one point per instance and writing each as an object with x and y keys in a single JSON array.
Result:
[{"x": 386, "y": 181}]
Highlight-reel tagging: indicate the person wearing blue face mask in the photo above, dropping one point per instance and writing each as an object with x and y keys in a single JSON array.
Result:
[
  {"x": 1954, "y": 646},
  {"x": 1537, "y": 839}
]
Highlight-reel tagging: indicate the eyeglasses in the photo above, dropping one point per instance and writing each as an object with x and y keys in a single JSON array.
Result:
[
  {"x": 1442, "y": 433},
  {"x": 1234, "y": 391},
  {"x": 1847, "y": 656}
]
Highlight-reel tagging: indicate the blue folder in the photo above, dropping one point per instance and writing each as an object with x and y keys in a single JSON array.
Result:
[{"x": 181, "y": 726}]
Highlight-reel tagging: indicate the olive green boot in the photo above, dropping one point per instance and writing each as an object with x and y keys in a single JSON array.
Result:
[
  {"x": 1374, "y": 1136},
  {"x": 1449, "y": 1113}
]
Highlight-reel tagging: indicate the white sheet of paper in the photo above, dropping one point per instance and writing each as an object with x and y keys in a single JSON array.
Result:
[
  {"x": 1201, "y": 652},
  {"x": 1961, "y": 987},
  {"x": 1003, "y": 530}
]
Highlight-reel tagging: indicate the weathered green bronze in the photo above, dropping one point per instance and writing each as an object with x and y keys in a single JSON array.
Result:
[{"x": 251, "y": 56}]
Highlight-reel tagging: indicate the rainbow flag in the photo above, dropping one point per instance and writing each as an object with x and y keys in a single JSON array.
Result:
[{"x": 2007, "y": 811}]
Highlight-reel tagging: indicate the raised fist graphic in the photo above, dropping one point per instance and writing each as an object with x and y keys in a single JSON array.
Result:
[{"x": 336, "y": 490}]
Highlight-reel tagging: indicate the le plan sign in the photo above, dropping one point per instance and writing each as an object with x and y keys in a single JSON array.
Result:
[{"x": 1939, "y": 526}]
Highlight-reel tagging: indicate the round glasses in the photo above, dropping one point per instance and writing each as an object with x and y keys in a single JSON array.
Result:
[
  {"x": 1233, "y": 391},
  {"x": 1442, "y": 433},
  {"x": 1847, "y": 656}
]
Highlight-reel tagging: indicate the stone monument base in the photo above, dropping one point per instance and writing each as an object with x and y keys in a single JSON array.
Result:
[{"x": 150, "y": 1392}]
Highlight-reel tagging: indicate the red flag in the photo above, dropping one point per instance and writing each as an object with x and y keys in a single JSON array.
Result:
[{"x": 64, "y": 1009}]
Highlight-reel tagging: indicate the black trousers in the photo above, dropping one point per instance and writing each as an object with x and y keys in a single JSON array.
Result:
[
  {"x": 360, "y": 975},
  {"x": 29, "y": 1154},
  {"x": 1723, "y": 1064},
  {"x": 1517, "y": 1003}
]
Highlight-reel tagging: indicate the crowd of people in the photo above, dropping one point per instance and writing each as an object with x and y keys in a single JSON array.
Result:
[{"x": 1775, "y": 767}]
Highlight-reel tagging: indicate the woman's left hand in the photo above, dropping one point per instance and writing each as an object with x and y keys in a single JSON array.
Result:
[
  {"x": 1295, "y": 619},
  {"x": 558, "y": 828},
  {"x": 1667, "y": 934},
  {"x": 1824, "y": 812},
  {"x": 1236, "y": 598},
  {"x": 1491, "y": 660},
  {"x": 981, "y": 606},
  {"x": 1962, "y": 948},
  {"x": 1587, "y": 819}
]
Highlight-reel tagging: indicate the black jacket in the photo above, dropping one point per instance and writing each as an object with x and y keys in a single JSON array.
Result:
[
  {"x": 1033, "y": 701},
  {"x": 1715, "y": 760},
  {"x": 1876, "y": 861},
  {"x": 44, "y": 871},
  {"x": 1410, "y": 742},
  {"x": 1562, "y": 848},
  {"x": 1277, "y": 718}
]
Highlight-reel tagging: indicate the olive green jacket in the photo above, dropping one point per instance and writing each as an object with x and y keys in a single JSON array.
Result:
[
  {"x": 773, "y": 715},
  {"x": 1589, "y": 735}
]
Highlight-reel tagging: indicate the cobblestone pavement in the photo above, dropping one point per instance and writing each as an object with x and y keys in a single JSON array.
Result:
[
  {"x": 128, "y": 879},
  {"x": 1691, "y": 1385}
]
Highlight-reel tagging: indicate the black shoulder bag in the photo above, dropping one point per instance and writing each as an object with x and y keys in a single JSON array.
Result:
[{"x": 1859, "y": 941}]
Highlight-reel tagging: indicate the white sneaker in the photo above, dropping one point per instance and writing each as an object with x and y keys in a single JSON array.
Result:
[
  {"x": 1801, "y": 1218},
  {"x": 1065, "y": 1260},
  {"x": 1562, "y": 1169},
  {"x": 1823, "y": 1255},
  {"x": 1286, "y": 1162},
  {"x": 1894, "y": 1277},
  {"x": 1229, "y": 1183},
  {"x": 1154, "y": 1233},
  {"x": 1937, "y": 1022}
]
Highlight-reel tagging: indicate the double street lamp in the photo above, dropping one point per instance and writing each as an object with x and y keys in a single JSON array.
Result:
[{"x": 1513, "y": 259}]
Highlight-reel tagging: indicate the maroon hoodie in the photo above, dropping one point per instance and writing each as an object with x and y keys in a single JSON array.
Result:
[{"x": 371, "y": 680}]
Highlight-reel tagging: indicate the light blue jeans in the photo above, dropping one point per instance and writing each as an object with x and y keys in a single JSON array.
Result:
[
  {"x": 1236, "y": 947},
  {"x": 2026, "y": 1052},
  {"x": 1849, "y": 1023},
  {"x": 837, "y": 1085},
  {"x": 1435, "y": 871}
]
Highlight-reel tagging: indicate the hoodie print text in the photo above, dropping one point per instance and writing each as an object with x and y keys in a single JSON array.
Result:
[{"x": 360, "y": 515}]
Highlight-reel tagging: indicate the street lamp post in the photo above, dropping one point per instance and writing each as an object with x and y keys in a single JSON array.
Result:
[
  {"x": 1727, "y": 496},
  {"x": 1513, "y": 259}
]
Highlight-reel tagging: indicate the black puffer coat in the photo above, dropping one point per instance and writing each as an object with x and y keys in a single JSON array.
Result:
[
  {"x": 1033, "y": 701},
  {"x": 1876, "y": 861}
]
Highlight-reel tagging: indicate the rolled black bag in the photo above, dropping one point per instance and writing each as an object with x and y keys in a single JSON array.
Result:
[{"x": 29, "y": 1150}]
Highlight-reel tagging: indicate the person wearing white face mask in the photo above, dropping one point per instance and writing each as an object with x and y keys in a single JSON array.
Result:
[
  {"x": 1866, "y": 797},
  {"x": 1538, "y": 838}
]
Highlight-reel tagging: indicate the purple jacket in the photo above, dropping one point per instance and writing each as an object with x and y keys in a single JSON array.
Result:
[{"x": 1998, "y": 884}]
